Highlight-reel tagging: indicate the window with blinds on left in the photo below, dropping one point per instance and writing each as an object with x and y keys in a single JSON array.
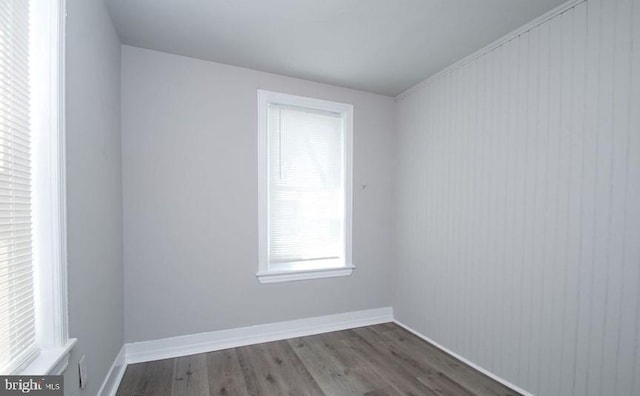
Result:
[{"x": 33, "y": 325}]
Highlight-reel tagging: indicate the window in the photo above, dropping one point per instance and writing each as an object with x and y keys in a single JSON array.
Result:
[
  {"x": 305, "y": 187},
  {"x": 33, "y": 328}
]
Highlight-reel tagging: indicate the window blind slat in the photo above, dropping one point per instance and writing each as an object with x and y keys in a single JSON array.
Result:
[
  {"x": 19, "y": 54},
  {"x": 15, "y": 230},
  {"x": 29, "y": 352},
  {"x": 15, "y": 150},
  {"x": 20, "y": 324},
  {"x": 23, "y": 297},
  {"x": 11, "y": 267},
  {"x": 18, "y": 278},
  {"x": 8, "y": 171},
  {"x": 14, "y": 240},
  {"x": 15, "y": 255},
  {"x": 17, "y": 318},
  {"x": 14, "y": 143},
  {"x": 6, "y": 177},
  {"x": 16, "y": 95},
  {"x": 21, "y": 319},
  {"x": 6, "y": 231},
  {"x": 25, "y": 343}
]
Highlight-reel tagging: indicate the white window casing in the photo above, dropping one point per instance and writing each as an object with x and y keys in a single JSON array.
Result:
[
  {"x": 305, "y": 187},
  {"x": 43, "y": 91}
]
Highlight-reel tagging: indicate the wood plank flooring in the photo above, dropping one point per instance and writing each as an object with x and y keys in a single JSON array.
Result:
[{"x": 380, "y": 360}]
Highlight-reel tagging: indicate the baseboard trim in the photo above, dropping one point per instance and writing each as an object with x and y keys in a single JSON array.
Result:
[
  {"x": 464, "y": 360},
  {"x": 172, "y": 347},
  {"x": 114, "y": 375},
  {"x": 216, "y": 340}
]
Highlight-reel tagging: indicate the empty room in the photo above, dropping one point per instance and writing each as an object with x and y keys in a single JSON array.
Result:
[{"x": 320, "y": 197}]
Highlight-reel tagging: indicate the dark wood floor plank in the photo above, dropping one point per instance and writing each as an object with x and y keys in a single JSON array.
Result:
[
  {"x": 190, "y": 376},
  {"x": 384, "y": 327},
  {"x": 430, "y": 375},
  {"x": 379, "y": 360},
  {"x": 158, "y": 378},
  {"x": 288, "y": 366},
  {"x": 225, "y": 375},
  {"x": 147, "y": 379},
  {"x": 411, "y": 346},
  {"x": 397, "y": 375},
  {"x": 358, "y": 367},
  {"x": 131, "y": 380},
  {"x": 248, "y": 371},
  {"x": 381, "y": 392},
  {"x": 333, "y": 377},
  {"x": 261, "y": 379}
]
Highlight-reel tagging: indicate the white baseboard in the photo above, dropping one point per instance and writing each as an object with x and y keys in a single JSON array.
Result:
[
  {"x": 216, "y": 340},
  {"x": 114, "y": 376},
  {"x": 166, "y": 348},
  {"x": 464, "y": 360}
]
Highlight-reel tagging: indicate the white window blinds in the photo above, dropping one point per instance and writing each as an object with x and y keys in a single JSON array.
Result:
[
  {"x": 306, "y": 191},
  {"x": 17, "y": 319}
]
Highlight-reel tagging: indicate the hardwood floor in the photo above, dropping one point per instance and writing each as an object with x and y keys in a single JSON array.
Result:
[{"x": 380, "y": 360}]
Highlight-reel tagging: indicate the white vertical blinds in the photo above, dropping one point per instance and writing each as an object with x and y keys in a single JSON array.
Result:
[
  {"x": 17, "y": 319},
  {"x": 306, "y": 197}
]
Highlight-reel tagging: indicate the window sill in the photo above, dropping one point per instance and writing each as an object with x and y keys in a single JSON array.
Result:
[
  {"x": 51, "y": 361},
  {"x": 294, "y": 275}
]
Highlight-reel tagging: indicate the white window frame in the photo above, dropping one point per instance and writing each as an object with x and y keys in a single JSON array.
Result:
[
  {"x": 48, "y": 190},
  {"x": 265, "y": 98}
]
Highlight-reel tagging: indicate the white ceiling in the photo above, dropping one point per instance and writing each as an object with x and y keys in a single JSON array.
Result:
[{"x": 381, "y": 46}]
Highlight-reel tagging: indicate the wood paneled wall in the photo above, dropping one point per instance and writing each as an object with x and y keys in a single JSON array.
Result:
[{"x": 518, "y": 205}]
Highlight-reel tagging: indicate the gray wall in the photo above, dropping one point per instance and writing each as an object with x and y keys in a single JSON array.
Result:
[
  {"x": 94, "y": 191},
  {"x": 190, "y": 200},
  {"x": 518, "y": 223}
]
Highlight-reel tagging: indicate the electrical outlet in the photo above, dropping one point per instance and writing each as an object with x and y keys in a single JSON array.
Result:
[{"x": 82, "y": 372}]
